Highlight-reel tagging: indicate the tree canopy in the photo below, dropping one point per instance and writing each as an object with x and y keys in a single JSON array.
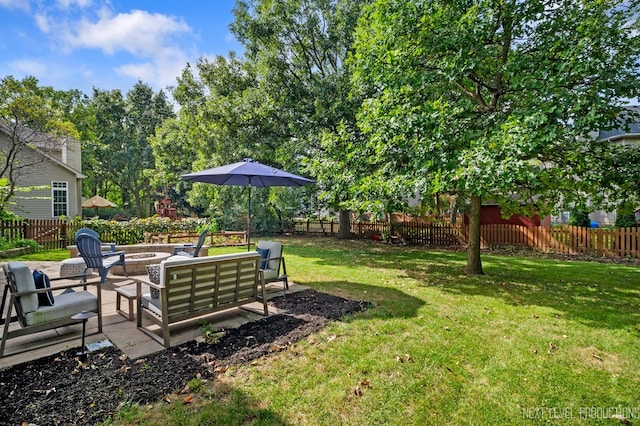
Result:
[{"x": 494, "y": 99}]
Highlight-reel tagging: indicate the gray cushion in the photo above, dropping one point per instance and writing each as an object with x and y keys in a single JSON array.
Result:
[
  {"x": 275, "y": 251},
  {"x": 67, "y": 304},
  {"x": 24, "y": 282}
]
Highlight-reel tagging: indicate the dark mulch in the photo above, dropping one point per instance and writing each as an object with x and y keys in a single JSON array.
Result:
[{"x": 61, "y": 390}]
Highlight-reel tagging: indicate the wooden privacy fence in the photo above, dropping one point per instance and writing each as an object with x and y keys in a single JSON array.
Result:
[
  {"x": 571, "y": 240},
  {"x": 49, "y": 233}
]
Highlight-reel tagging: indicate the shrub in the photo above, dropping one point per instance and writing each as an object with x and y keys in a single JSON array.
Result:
[
  {"x": 132, "y": 232},
  {"x": 626, "y": 216},
  {"x": 626, "y": 220},
  {"x": 18, "y": 243},
  {"x": 579, "y": 217}
]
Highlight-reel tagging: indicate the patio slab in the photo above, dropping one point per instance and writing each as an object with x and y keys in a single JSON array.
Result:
[{"x": 121, "y": 332}]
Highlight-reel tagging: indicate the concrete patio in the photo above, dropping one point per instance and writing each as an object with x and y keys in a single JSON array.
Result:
[{"x": 117, "y": 329}]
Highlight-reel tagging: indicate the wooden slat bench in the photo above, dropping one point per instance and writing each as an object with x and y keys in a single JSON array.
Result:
[{"x": 193, "y": 288}]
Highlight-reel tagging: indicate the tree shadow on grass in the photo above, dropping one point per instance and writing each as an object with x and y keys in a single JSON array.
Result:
[
  {"x": 599, "y": 295},
  {"x": 602, "y": 295}
]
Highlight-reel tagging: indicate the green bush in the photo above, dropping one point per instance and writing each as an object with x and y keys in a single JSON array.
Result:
[
  {"x": 579, "y": 217},
  {"x": 625, "y": 216},
  {"x": 626, "y": 220},
  {"x": 132, "y": 232},
  {"x": 7, "y": 245}
]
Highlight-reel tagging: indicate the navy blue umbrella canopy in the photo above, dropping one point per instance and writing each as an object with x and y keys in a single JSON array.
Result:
[{"x": 248, "y": 173}]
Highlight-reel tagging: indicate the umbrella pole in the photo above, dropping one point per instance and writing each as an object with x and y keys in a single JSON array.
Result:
[{"x": 249, "y": 221}]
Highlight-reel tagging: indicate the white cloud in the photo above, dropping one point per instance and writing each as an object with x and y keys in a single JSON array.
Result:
[
  {"x": 161, "y": 71},
  {"x": 15, "y": 4},
  {"x": 66, "y": 4},
  {"x": 138, "y": 32},
  {"x": 42, "y": 22},
  {"x": 28, "y": 66}
]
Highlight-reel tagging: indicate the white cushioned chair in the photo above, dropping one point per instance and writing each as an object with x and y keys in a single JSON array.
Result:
[
  {"x": 32, "y": 315},
  {"x": 272, "y": 264}
]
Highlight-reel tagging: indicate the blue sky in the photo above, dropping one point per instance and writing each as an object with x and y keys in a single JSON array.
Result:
[{"x": 111, "y": 44}]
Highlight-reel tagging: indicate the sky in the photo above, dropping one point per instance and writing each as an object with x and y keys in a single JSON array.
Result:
[{"x": 111, "y": 44}]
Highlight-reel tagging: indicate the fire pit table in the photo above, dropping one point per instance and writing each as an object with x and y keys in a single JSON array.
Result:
[{"x": 137, "y": 262}]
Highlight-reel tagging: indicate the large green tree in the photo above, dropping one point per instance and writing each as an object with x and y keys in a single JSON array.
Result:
[
  {"x": 494, "y": 99},
  {"x": 121, "y": 151},
  {"x": 287, "y": 103},
  {"x": 298, "y": 49}
]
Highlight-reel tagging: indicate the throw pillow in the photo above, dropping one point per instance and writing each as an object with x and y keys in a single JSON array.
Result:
[
  {"x": 42, "y": 281},
  {"x": 264, "y": 255},
  {"x": 154, "y": 276}
]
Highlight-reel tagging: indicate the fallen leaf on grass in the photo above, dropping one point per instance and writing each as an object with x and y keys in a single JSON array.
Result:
[
  {"x": 278, "y": 348},
  {"x": 366, "y": 383},
  {"x": 331, "y": 338},
  {"x": 357, "y": 391},
  {"x": 405, "y": 358},
  {"x": 166, "y": 399},
  {"x": 187, "y": 399}
]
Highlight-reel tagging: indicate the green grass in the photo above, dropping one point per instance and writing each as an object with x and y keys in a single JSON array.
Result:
[
  {"x": 533, "y": 341},
  {"x": 44, "y": 255}
]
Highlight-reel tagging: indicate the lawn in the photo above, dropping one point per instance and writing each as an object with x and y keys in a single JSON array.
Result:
[{"x": 533, "y": 341}]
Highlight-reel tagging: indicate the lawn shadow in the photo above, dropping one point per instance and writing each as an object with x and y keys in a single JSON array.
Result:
[{"x": 601, "y": 295}]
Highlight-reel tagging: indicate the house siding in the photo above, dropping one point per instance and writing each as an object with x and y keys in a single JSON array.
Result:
[{"x": 43, "y": 173}]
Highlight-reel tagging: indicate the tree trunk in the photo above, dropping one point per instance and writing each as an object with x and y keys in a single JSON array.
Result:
[
  {"x": 453, "y": 209},
  {"x": 474, "y": 263},
  {"x": 345, "y": 225}
]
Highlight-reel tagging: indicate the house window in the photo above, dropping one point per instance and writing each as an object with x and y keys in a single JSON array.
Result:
[{"x": 60, "y": 198}]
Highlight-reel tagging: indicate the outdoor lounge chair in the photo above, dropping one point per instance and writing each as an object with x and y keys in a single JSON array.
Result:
[
  {"x": 110, "y": 246},
  {"x": 90, "y": 249},
  {"x": 272, "y": 263},
  {"x": 35, "y": 314},
  {"x": 191, "y": 250}
]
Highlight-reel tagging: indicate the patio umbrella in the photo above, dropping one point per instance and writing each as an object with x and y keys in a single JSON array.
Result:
[
  {"x": 97, "y": 202},
  {"x": 247, "y": 173}
]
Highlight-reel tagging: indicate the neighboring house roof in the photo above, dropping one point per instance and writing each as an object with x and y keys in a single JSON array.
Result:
[
  {"x": 633, "y": 132},
  {"x": 6, "y": 129}
]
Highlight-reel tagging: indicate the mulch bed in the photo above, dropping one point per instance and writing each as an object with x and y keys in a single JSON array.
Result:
[{"x": 61, "y": 390}]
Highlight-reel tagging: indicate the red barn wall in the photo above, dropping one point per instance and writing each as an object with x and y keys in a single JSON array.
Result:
[{"x": 491, "y": 215}]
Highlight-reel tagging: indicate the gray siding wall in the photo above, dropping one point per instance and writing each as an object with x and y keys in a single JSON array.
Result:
[{"x": 43, "y": 173}]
